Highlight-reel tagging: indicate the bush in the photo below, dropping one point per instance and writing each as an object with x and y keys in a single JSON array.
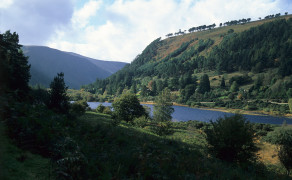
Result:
[
  {"x": 141, "y": 121},
  {"x": 107, "y": 110},
  {"x": 283, "y": 136},
  {"x": 285, "y": 156},
  {"x": 35, "y": 128},
  {"x": 100, "y": 108},
  {"x": 162, "y": 128},
  {"x": 78, "y": 108},
  {"x": 231, "y": 139},
  {"x": 127, "y": 108},
  {"x": 280, "y": 136}
]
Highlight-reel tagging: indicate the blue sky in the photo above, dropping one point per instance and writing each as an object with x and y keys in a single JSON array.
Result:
[{"x": 119, "y": 30}]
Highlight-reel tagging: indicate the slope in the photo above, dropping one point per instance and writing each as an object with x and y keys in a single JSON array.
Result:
[
  {"x": 79, "y": 70},
  {"x": 254, "y": 58}
]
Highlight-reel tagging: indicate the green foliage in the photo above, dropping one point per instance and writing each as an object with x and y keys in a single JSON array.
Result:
[
  {"x": 290, "y": 104},
  {"x": 285, "y": 156},
  {"x": 234, "y": 87},
  {"x": 39, "y": 95},
  {"x": 100, "y": 108},
  {"x": 14, "y": 68},
  {"x": 127, "y": 107},
  {"x": 283, "y": 136},
  {"x": 222, "y": 84},
  {"x": 204, "y": 84},
  {"x": 70, "y": 161},
  {"x": 240, "y": 80},
  {"x": 231, "y": 139},
  {"x": 141, "y": 121},
  {"x": 78, "y": 108},
  {"x": 279, "y": 136},
  {"x": 35, "y": 127},
  {"x": 58, "y": 99},
  {"x": 107, "y": 110},
  {"x": 17, "y": 163},
  {"x": 162, "y": 113}
]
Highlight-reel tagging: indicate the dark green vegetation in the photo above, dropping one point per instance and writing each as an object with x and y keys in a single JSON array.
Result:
[
  {"x": 162, "y": 113},
  {"x": 282, "y": 136},
  {"x": 127, "y": 108},
  {"x": 232, "y": 139},
  {"x": 79, "y": 70},
  {"x": 246, "y": 68},
  {"x": 52, "y": 139}
]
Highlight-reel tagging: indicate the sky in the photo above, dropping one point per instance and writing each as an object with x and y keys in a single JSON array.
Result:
[{"x": 119, "y": 30}]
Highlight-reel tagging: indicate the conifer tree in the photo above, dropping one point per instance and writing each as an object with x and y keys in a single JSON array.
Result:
[
  {"x": 14, "y": 68},
  {"x": 204, "y": 84},
  {"x": 58, "y": 99}
]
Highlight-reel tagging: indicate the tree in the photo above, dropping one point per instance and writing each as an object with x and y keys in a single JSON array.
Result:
[
  {"x": 231, "y": 139},
  {"x": 58, "y": 99},
  {"x": 290, "y": 104},
  {"x": 144, "y": 91},
  {"x": 162, "y": 113},
  {"x": 222, "y": 84},
  {"x": 127, "y": 108},
  {"x": 282, "y": 136},
  {"x": 204, "y": 84},
  {"x": 234, "y": 87},
  {"x": 285, "y": 156},
  {"x": 14, "y": 68}
]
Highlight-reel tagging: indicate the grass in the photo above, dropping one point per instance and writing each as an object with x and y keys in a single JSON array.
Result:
[
  {"x": 129, "y": 152},
  {"x": 18, "y": 164}
]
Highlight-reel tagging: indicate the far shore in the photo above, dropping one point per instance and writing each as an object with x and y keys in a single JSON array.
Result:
[{"x": 259, "y": 113}]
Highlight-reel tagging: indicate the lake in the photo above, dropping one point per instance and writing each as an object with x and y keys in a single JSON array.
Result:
[{"x": 186, "y": 113}]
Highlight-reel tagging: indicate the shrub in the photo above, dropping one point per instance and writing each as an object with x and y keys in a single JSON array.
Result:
[
  {"x": 231, "y": 139},
  {"x": 141, "y": 121},
  {"x": 127, "y": 107},
  {"x": 100, "y": 108},
  {"x": 107, "y": 110},
  {"x": 78, "y": 108},
  {"x": 285, "y": 156}
]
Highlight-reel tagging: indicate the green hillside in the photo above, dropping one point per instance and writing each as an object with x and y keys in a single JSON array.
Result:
[{"x": 254, "y": 57}]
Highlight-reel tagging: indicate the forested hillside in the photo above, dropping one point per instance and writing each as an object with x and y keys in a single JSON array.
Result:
[
  {"x": 79, "y": 70},
  {"x": 250, "y": 60}
]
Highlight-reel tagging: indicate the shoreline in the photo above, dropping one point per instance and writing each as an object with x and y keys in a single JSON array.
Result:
[{"x": 221, "y": 109}]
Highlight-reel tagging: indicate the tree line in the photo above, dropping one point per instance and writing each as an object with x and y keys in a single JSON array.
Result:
[{"x": 228, "y": 23}]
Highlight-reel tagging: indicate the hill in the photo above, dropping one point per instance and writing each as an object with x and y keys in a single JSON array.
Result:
[
  {"x": 246, "y": 62},
  {"x": 79, "y": 70}
]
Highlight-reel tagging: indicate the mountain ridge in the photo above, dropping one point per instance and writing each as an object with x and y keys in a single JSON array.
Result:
[{"x": 79, "y": 70}]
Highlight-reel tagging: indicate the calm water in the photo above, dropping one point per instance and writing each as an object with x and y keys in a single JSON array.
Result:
[{"x": 186, "y": 113}]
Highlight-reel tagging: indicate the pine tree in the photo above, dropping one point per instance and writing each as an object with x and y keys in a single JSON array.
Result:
[
  {"x": 204, "y": 84},
  {"x": 14, "y": 68},
  {"x": 222, "y": 84},
  {"x": 58, "y": 99}
]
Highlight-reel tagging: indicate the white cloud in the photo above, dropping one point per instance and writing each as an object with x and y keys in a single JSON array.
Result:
[
  {"x": 5, "y": 3},
  {"x": 81, "y": 17},
  {"x": 130, "y": 25}
]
